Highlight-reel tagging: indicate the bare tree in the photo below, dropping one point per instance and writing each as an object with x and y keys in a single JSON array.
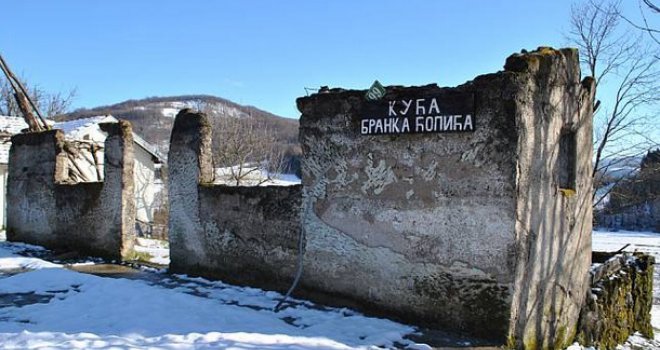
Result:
[
  {"x": 625, "y": 65},
  {"x": 50, "y": 104},
  {"x": 245, "y": 152},
  {"x": 646, "y": 9}
]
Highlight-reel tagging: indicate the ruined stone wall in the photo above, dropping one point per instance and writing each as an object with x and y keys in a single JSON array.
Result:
[
  {"x": 419, "y": 224},
  {"x": 92, "y": 218},
  {"x": 34, "y": 165},
  {"x": 245, "y": 235},
  {"x": 99, "y": 218},
  {"x": 553, "y": 109},
  {"x": 466, "y": 230},
  {"x": 252, "y": 232},
  {"x": 619, "y": 302}
]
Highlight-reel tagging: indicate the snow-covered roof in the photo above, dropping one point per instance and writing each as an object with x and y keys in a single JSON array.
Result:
[
  {"x": 149, "y": 148},
  {"x": 12, "y": 125},
  {"x": 9, "y": 126},
  {"x": 5, "y": 144},
  {"x": 78, "y": 129}
]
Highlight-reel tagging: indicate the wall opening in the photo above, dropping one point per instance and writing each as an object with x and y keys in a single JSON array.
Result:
[{"x": 567, "y": 160}]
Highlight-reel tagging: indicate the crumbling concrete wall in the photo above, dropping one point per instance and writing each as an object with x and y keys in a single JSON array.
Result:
[
  {"x": 620, "y": 300},
  {"x": 35, "y": 163},
  {"x": 471, "y": 228},
  {"x": 93, "y": 218},
  {"x": 553, "y": 110},
  {"x": 245, "y": 235}
]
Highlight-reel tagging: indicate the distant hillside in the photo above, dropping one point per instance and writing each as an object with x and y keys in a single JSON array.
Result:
[
  {"x": 153, "y": 117},
  {"x": 634, "y": 201}
]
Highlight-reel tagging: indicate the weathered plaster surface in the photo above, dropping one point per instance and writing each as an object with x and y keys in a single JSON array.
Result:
[
  {"x": 252, "y": 233},
  {"x": 400, "y": 221},
  {"x": 553, "y": 227},
  {"x": 245, "y": 235},
  {"x": 31, "y": 206},
  {"x": 93, "y": 218},
  {"x": 189, "y": 165},
  {"x": 436, "y": 227}
]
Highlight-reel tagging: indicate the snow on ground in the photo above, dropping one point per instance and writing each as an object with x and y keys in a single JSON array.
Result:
[
  {"x": 170, "y": 112},
  {"x": 157, "y": 250},
  {"x": 251, "y": 175},
  {"x": 46, "y": 306},
  {"x": 56, "y": 308},
  {"x": 10, "y": 262},
  {"x": 602, "y": 241}
]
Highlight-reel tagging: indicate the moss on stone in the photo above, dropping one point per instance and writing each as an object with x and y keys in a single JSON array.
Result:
[
  {"x": 563, "y": 338},
  {"x": 530, "y": 61},
  {"x": 510, "y": 342},
  {"x": 546, "y": 51},
  {"x": 567, "y": 192},
  {"x": 529, "y": 343},
  {"x": 643, "y": 289},
  {"x": 479, "y": 299},
  {"x": 619, "y": 303}
]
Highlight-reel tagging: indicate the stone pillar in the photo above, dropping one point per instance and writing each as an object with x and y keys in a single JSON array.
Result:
[
  {"x": 553, "y": 196},
  {"x": 118, "y": 193},
  {"x": 190, "y": 164}
]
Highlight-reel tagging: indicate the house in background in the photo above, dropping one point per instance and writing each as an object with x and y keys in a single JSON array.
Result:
[
  {"x": 9, "y": 126},
  {"x": 87, "y": 165}
]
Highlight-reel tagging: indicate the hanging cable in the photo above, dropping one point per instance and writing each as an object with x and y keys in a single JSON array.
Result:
[{"x": 301, "y": 252}]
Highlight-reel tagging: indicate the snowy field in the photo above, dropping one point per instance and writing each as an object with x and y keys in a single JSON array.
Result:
[
  {"x": 45, "y": 305},
  {"x": 155, "y": 251}
]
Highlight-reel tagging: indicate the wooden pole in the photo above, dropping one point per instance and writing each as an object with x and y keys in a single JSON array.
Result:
[{"x": 22, "y": 97}]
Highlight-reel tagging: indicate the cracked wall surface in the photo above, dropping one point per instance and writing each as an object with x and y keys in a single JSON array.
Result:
[{"x": 465, "y": 230}]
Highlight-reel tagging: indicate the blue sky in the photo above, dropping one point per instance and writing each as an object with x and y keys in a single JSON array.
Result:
[{"x": 264, "y": 53}]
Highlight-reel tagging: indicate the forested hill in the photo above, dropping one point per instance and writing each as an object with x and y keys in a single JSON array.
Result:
[{"x": 153, "y": 117}]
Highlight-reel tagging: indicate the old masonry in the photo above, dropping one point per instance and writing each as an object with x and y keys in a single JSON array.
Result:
[
  {"x": 477, "y": 219},
  {"x": 465, "y": 208}
]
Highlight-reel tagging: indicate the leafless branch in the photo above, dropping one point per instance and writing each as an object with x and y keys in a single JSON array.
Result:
[
  {"x": 245, "y": 151},
  {"x": 51, "y": 104},
  {"x": 620, "y": 60}
]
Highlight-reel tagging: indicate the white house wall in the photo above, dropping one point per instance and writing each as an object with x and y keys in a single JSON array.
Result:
[
  {"x": 3, "y": 195},
  {"x": 146, "y": 185}
]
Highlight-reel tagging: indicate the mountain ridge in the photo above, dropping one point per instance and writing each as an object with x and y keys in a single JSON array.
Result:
[{"x": 153, "y": 117}]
